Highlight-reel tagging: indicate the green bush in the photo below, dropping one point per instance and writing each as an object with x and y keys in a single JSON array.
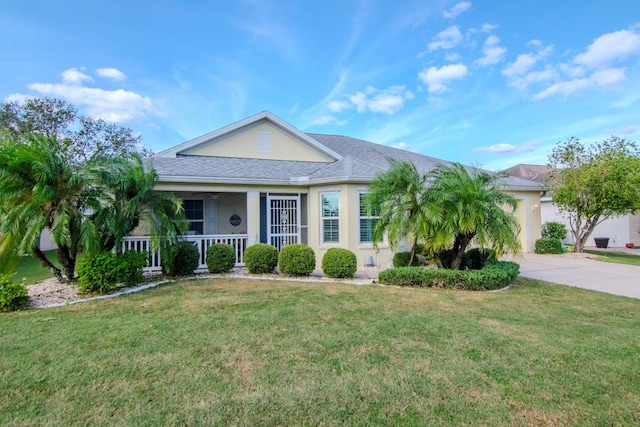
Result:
[
  {"x": 296, "y": 260},
  {"x": 221, "y": 258},
  {"x": 339, "y": 263},
  {"x": 13, "y": 296},
  {"x": 261, "y": 258},
  {"x": 554, "y": 230},
  {"x": 446, "y": 257},
  {"x": 180, "y": 259},
  {"x": 476, "y": 258},
  {"x": 401, "y": 259},
  {"x": 494, "y": 275},
  {"x": 548, "y": 245},
  {"x": 105, "y": 270}
]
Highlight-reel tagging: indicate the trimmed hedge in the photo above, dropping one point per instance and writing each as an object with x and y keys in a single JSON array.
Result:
[
  {"x": 221, "y": 258},
  {"x": 105, "y": 270},
  {"x": 494, "y": 275},
  {"x": 261, "y": 258},
  {"x": 339, "y": 263},
  {"x": 13, "y": 296},
  {"x": 297, "y": 260},
  {"x": 401, "y": 259},
  {"x": 548, "y": 245},
  {"x": 476, "y": 258},
  {"x": 180, "y": 259}
]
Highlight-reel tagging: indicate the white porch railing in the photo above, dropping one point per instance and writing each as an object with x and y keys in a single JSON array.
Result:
[{"x": 143, "y": 243}]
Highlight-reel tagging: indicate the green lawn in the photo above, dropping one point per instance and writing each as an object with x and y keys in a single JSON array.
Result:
[
  {"x": 30, "y": 269},
  {"x": 617, "y": 257},
  {"x": 242, "y": 352}
]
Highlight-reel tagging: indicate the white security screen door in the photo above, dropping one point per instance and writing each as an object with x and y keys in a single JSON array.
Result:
[{"x": 283, "y": 220}]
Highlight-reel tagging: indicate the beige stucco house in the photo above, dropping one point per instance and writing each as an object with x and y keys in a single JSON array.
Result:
[{"x": 263, "y": 180}]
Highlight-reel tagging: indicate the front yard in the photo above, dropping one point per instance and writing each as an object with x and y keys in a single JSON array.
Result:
[{"x": 243, "y": 352}]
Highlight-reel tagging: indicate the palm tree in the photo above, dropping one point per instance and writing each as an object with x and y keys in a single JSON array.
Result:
[
  {"x": 129, "y": 199},
  {"x": 474, "y": 210},
  {"x": 399, "y": 197},
  {"x": 40, "y": 189}
]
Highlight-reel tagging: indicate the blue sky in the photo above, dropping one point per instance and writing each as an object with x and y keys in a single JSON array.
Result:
[{"x": 494, "y": 83}]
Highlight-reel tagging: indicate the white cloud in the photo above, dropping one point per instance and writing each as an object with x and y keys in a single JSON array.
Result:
[
  {"x": 609, "y": 48},
  {"x": 452, "y": 56},
  {"x": 74, "y": 76},
  {"x": 523, "y": 63},
  {"x": 437, "y": 78},
  {"x": 624, "y": 130},
  {"x": 446, "y": 39},
  {"x": 339, "y": 106},
  {"x": 111, "y": 73},
  {"x": 387, "y": 101},
  {"x": 509, "y": 148},
  {"x": 111, "y": 105},
  {"x": 534, "y": 42},
  {"x": 605, "y": 79},
  {"x": 328, "y": 120},
  {"x": 523, "y": 82},
  {"x": 519, "y": 72},
  {"x": 400, "y": 145},
  {"x": 457, "y": 10},
  {"x": 493, "y": 53},
  {"x": 17, "y": 97},
  {"x": 487, "y": 28}
]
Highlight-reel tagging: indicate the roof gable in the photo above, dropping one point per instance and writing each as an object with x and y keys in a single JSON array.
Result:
[{"x": 262, "y": 136}]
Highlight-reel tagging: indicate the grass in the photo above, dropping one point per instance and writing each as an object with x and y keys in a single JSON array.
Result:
[
  {"x": 30, "y": 269},
  {"x": 242, "y": 352},
  {"x": 616, "y": 257}
]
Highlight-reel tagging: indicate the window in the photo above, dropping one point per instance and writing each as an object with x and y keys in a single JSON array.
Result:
[
  {"x": 194, "y": 211},
  {"x": 330, "y": 217},
  {"x": 367, "y": 221}
]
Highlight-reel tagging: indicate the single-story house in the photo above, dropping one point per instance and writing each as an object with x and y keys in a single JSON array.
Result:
[
  {"x": 263, "y": 180},
  {"x": 620, "y": 230}
]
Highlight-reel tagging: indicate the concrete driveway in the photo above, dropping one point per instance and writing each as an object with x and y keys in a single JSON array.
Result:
[{"x": 582, "y": 271}]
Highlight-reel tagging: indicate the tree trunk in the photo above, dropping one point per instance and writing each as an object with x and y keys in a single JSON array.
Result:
[
  {"x": 68, "y": 262},
  {"x": 413, "y": 251},
  {"x": 459, "y": 248},
  {"x": 39, "y": 255}
]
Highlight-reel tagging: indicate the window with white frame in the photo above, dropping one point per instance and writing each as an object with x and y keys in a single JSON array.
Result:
[
  {"x": 367, "y": 221},
  {"x": 194, "y": 211},
  {"x": 330, "y": 217}
]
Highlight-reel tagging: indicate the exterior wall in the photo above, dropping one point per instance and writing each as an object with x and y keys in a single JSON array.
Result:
[
  {"x": 228, "y": 204},
  {"x": 245, "y": 144},
  {"x": 46, "y": 241},
  {"x": 529, "y": 216},
  {"x": 619, "y": 230}
]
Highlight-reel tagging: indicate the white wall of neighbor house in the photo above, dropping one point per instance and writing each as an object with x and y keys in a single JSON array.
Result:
[{"x": 620, "y": 230}]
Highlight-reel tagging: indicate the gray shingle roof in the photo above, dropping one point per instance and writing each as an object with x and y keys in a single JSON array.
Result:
[{"x": 361, "y": 161}]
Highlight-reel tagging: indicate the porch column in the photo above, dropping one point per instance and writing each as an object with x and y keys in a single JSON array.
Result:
[{"x": 253, "y": 217}]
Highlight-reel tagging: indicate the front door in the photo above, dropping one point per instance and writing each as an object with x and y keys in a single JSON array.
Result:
[{"x": 283, "y": 220}]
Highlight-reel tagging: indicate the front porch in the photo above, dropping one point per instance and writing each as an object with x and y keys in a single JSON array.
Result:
[{"x": 234, "y": 218}]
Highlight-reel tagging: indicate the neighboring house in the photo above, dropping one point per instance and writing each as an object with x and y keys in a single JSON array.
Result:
[
  {"x": 620, "y": 230},
  {"x": 263, "y": 180}
]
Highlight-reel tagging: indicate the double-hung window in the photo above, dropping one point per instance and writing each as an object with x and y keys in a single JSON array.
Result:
[
  {"x": 330, "y": 217},
  {"x": 194, "y": 211},
  {"x": 367, "y": 221}
]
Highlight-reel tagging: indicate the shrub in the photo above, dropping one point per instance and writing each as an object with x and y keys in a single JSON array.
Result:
[
  {"x": 554, "y": 230},
  {"x": 548, "y": 245},
  {"x": 220, "y": 258},
  {"x": 105, "y": 270},
  {"x": 13, "y": 296},
  {"x": 261, "y": 258},
  {"x": 401, "y": 259},
  {"x": 494, "y": 275},
  {"x": 339, "y": 263},
  {"x": 297, "y": 260},
  {"x": 180, "y": 259},
  {"x": 476, "y": 258}
]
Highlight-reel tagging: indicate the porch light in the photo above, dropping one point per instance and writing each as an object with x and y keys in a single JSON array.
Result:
[{"x": 535, "y": 207}]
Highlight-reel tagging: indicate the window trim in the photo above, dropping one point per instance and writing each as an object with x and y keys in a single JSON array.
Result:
[
  {"x": 324, "y": 218},
  {"x": 365, "y": 217},
  {"x": 204, "y": 214}
]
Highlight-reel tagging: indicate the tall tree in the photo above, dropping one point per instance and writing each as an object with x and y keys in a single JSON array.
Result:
[
  {"x": 129, "y": 200},
  {"x": 591, "y": 183},
  {"x": 474, "y": 210},
  {"x": 82, "y": 138},
  {"x": 399, "y": 196},
  {"x": 40, "y": 189}
]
